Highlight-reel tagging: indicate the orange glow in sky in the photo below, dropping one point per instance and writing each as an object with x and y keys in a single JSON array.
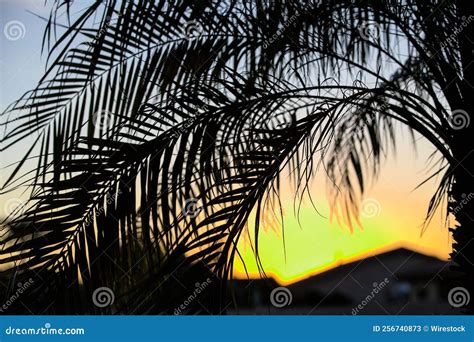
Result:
[{"x": 313, "y": 244}]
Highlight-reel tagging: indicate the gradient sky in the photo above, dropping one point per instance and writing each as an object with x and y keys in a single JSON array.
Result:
[
  {"x": 312, "y": 243},
  {"x": 392, "y": 216}
]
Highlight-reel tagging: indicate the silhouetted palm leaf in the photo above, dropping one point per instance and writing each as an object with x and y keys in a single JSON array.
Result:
[{"x": 161, "y": 104}]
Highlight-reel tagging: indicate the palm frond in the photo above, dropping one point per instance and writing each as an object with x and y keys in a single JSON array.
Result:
[{"x": 161, "y": 107}]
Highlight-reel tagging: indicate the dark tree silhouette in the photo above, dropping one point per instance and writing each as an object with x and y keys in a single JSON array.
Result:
[{"x": 162, "y": 126}]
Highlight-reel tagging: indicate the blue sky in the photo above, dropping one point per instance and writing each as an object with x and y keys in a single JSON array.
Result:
[{"x": 20, "y": 55}]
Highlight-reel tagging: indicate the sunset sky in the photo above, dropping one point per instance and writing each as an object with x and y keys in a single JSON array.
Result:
[
  {"x": 313, "y": 243},
  {"x": 394, "y": 217}
]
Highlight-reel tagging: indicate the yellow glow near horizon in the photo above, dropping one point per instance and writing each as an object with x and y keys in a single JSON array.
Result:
[{"x": 313, "y": 244}]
